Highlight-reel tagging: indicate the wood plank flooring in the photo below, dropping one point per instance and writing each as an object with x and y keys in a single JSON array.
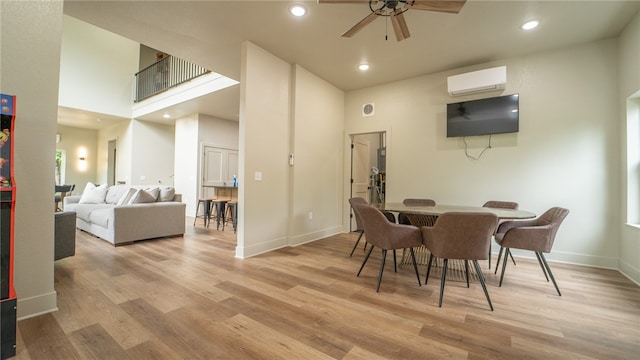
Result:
[{"x": 189, "y": 298}]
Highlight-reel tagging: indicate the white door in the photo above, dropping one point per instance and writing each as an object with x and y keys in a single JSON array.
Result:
[{"x": 360, "y": 168}]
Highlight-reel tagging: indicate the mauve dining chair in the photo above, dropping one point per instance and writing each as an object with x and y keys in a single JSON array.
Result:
[{"x": 500, "y": 205}]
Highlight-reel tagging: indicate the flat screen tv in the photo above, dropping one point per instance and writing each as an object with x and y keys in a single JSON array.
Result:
[{"x": 494, "y": 115}]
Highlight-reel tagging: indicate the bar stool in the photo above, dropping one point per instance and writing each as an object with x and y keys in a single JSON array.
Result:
[
  {"x": 219, "y": 206},
  {"x": 232, "y": 213},
  {"x": 206, "y": 209}
]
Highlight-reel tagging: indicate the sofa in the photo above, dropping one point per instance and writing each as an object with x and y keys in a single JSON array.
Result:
[{"x": 122, "y": 214}]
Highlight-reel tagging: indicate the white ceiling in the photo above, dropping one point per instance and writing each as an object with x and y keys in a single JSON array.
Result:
[{"x": 210, "y": 34}]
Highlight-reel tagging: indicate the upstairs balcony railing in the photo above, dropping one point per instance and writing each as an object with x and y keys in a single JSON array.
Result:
[{"x": 165, "y": 74}]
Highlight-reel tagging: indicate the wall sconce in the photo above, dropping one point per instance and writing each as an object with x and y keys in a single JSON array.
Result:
[{"x": 82, "y": 159}]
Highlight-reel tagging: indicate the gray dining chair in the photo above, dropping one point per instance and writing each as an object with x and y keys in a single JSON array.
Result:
[
  {"x": 537, "y": 235},
  {"x": 417, "y": 219},
  {"x": 460, "y": 235},
  {"x": 495, "y": 204},
  {"x": 359, "y": 228},
  {"x": 386, "y": 235}
]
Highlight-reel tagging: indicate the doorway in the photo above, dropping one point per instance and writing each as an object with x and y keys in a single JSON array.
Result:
[
  {"x": 111, "y": 162},
  {"x": 368, "y": 168}
]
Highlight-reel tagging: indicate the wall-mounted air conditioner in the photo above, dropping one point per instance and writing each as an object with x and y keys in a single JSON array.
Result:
[{"x": 477, "y": 81}]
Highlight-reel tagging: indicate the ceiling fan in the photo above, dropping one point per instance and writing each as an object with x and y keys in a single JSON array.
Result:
[{"x": 395, "y": 10}]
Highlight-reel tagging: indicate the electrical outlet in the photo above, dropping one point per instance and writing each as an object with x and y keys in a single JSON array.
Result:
[{"x": 310, "y": 215}]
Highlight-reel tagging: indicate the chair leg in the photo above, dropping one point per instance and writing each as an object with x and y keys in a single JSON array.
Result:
[
  {"x": 395, "y": 266},
  {"x": 512, "y": 259},
  {"x": 544, "y": 261},
  {"x": 504, "y": 265},
  {"x": 466, "y": 270},
  {"x": 428, "y": 268},
  {"x": 444, "y": 277},
  {"x": 365, "y": 259},
  {"x": 482, "y": 282},
  {"x": 498, "y": 261},
  {"x": 415, "y": 265},
  {"x": 384, "y": 256},
  {"x": 489, "y": 253},
  {"x": 544, "y": 271},
  {"x": 356, "y": 244}
]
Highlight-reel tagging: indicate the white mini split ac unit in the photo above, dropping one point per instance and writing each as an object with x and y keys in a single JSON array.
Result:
[{"x": 477, "y": 81}]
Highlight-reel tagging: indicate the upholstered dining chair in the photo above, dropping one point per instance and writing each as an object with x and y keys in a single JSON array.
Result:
[
  {"x": 536, "y": 235},
  {"x": 359, "y": 228},
  {"x": 59, "y": 194},
  {"x": 463, "y": 236},
  {"x": 387, "y": 236},
  {"x": 417, "y": 219},
  {"x": 500, "y": 205}
]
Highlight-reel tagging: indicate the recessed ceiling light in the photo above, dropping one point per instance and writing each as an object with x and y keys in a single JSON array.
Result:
[
  {"x": 363, "y": 67},
  {"x": 298, "y": 10},
  {"x": 529, "y": 25},
  {"x": 166, "y": 116}
]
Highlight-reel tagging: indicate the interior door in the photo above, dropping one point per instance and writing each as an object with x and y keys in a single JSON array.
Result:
[{"x": 360, "y": 168}]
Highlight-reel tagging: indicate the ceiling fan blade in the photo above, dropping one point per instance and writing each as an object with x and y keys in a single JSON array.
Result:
[
  {"x": 361, "y": 24},
  {"x": 399, "y": 25},
  {"x": 448, "y": 6}
]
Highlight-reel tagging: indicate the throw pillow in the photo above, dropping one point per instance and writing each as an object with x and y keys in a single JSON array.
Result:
[
  {"x": 153, "y": 191},
  {"x": 126, "y": 197},
  {"x": 93, "y": 194},
  {"x": 167, "y": 193},
  {"x": 141, "y": 197}
]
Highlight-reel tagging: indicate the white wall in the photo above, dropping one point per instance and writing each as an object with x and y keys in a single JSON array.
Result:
[
  {"x": 566, "y": 153},
  {"x": 152, "y": 155},
  {"x": 629, "y": 85},
  {"x": 122, "y": 133},
  {"x": 31, "y": 33},
  {"x": 186, "y": 161},
  {"x": 93, "y": 56},
  {"x": 318, "y": 128},
  {"x": 72, "y": 140},
  {"x": 265, "y": 95}
]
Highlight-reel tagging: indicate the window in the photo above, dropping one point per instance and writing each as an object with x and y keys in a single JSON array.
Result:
[
  {"x": 61, "y": 160},
  {"x": 633, "y": 160}
]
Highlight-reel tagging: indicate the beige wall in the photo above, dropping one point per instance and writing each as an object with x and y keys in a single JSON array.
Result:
[
  {"x": 186, "y": 161},
  {"x": 152, "y": 155},
  {"x": 566, "y": 153},
  {"x": 91, "y": 56},
  {"x": 265, "y": 101},
  {"x": 629, "y": 85},
  {"x": 29, "y": 69},
  {"x": 317, "y": 173},
  {"x": 120, "y": 132},
  {"x": 72, "y": 141}
]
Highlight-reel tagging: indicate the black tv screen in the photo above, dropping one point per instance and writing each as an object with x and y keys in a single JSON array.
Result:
[{"x": 494, "y": 115}]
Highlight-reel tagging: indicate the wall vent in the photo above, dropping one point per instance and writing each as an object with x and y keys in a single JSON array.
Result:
[{"x": 368, "y": 109}]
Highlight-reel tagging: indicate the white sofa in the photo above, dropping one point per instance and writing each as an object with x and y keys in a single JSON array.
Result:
[{"x": 121, "y": 220}]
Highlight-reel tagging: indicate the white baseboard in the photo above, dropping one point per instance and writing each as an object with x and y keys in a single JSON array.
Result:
[
  {"x": 37, "y": 305},
  {"x": 629, "y": 271},
  {"x": 316, "y": 235}
]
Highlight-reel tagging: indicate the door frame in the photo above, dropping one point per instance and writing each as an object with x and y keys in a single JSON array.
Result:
[{"x": 348, "y": 159}]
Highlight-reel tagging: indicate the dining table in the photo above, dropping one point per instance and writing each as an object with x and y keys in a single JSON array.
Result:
[
  {"x": 427, "y": 215},
  {"x": 502, "y": 214}
]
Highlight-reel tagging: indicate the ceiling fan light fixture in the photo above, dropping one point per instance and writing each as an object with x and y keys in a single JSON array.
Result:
[
  {"x": 297, "y": 10},
  {"x": 530, "y": 25}
]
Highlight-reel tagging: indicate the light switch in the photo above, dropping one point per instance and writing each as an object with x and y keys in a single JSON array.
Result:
[{"x": 258, "y": 176}]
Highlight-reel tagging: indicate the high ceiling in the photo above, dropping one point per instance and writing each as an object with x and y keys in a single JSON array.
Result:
[{"x": 210, "y": 34}]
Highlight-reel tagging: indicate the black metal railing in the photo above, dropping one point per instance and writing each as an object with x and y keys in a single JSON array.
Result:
[{"x": 165, "y": 74}]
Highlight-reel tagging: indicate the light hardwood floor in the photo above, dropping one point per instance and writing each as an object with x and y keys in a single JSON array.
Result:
[{"x": 189, "y": 298}]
